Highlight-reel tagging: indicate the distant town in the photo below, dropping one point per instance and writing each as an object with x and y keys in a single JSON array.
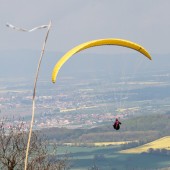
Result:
[{"x": 84, "y": 103}]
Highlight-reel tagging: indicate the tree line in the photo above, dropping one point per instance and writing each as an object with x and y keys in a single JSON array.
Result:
[{"x": 143, "y": 128}]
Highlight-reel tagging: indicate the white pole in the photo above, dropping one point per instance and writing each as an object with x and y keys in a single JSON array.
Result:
[{"x": 35, "y": 81}]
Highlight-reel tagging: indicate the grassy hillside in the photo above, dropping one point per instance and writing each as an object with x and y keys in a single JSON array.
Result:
[{"x": 162, "y": 143}]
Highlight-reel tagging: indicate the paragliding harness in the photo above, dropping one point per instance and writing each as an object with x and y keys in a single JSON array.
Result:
[{"x": 116, "y": 124}]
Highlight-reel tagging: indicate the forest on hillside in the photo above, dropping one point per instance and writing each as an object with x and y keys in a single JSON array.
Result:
[{"x": 143, "y": 129}]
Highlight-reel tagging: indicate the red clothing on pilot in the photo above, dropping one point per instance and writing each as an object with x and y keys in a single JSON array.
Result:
[{"x": 116, "y": 124}]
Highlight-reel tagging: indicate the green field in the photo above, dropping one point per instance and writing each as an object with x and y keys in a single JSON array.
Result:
[{"x": 108, "y": 158}]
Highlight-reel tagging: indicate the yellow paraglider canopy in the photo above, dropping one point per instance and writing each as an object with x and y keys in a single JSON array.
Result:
[{"x": 93, "y": 43}]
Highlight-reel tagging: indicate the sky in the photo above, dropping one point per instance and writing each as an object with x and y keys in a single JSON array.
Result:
[{"x": 145, "y": 22}]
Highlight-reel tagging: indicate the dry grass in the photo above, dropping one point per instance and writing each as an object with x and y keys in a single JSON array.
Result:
[
  {"x": 110, "y": 143},
  {"x": 100, "y": 144},
  {"x": 162, "y": 143}
]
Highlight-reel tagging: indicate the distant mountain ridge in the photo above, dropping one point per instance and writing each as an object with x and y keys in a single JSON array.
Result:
[{"x": 19, "y": 63}]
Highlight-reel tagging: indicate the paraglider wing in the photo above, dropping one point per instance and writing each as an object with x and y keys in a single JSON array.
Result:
[{"x": 100, "y": 42}]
